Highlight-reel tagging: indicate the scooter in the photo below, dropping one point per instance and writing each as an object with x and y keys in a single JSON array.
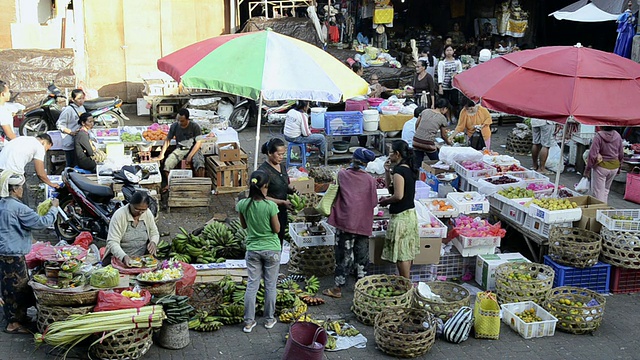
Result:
[
  {"x": 245, "y": 111},
  {"x": 88, "y": 206},
  {"x": 105, "y": 110}
]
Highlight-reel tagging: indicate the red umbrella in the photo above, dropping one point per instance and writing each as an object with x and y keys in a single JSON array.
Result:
[{"x": 558, "y": 82}]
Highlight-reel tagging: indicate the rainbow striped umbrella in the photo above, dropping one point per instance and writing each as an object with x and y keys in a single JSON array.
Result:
[{"x": 266, "y": 63}]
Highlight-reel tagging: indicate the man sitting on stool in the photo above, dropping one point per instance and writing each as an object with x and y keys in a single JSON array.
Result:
[{"x": 185, "y": 133}]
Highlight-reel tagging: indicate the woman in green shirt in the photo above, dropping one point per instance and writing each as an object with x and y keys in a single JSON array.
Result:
[{"x": 260, "y": 217}]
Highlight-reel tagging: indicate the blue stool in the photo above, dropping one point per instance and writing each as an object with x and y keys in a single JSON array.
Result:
[{"x": 303, "y": 155}]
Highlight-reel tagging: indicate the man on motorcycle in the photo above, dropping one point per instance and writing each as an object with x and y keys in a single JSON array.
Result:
[
  {"x": 17, "y": 153},
  {"x": 185, "y": 133},
  {"x": 6, "y": 118}
]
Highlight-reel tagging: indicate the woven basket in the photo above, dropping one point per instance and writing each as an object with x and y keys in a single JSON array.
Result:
[
  {"x": 313, "y": 199},
  {"x": 621, "y": 248},
  {"x": 313, "y": 260},
  {"x": 367, "y": 306},
  {"x": 512, "y": 290},
  {"x": 395, "y": 343},
  {"x": 575, "y": 318},
  {"x": 49, "y": 298},
  {"x": 161, "y": 289},
  {"x": 203, "y": 296},
  {"x": 50, "y": 314},
  {"x": 453, "y": 298},
  {"x": 575, "y": 247},
  {"x": 518, "y": 146},
  {"x": 126, "y": 344}
]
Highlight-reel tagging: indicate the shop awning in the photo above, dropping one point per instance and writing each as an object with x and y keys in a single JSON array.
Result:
[{"x": 593, "y": 11}]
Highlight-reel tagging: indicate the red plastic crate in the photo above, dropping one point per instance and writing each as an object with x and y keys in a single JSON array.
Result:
[{"x": 625, "y": 281}]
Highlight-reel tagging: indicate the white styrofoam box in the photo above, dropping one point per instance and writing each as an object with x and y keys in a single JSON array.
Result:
[
  {"x": 154, "y": 169},
  {"x": 422, "y": 190},
  {"x": 496, "y": 202},
  {"x": 315, "y": 240},
  {"x": 472, "y": 251},
  {"x": 472, "y": 174},
  {"x": 546, "y": 327},
  {"x": 56, "y": 137},
  {"x": 441, "y": 214},
  {"x": 142, "y": 107},
  {"x": 527, "y": 175},
  {"x": 513, "y": 213},
  {"x": 180, "y": 174},
  {"x": 556, "y": 216},
  {"x": 468, "y": 241},
  {"x": 469, "y": 202},
  {"x": 427, "y": 231},
  {"x": 540, "y": 227},
  {"x": 485, "y": 187},
  {"x": 486, "y": 265},
  {"x": 104, "y": 134},
  {"x": 228, "y": 135}
]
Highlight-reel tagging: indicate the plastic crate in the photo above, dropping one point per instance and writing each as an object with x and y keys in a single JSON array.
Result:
[
  {"x": 180, "y": 174},
  {"x": 605, "y": 217},
  {"x": 554, "y": 217},
  {"x": 546, "y": 327},
  {"x": 479, "y": 204},
  {"x": 422, "y": 190},
  {"x": 343, "y": 122},
  {"x": 311, "y": 240},
  {"x": 467, "y": 184},
  {"x": 625, "y": 281},
  {"x": 512, "y": 212},
  {"x": 432, "y": 232},
  {"x": 527, "y": 175},
  {"x": 453, "y": 265},
  {"x": 472, "y": 251},
  {"x": 540, "y": 227},
  {"x": 472, "y": 174},
  {"x": 440, "y": 214},
  {"x": 495, "y": 202},
  {"x": 594, "y": 278},
  {"x": 484, "y": 186}
]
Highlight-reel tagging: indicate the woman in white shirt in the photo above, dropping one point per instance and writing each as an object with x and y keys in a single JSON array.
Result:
[
  {"x": 447, "y": 69},
  {"x": 68, "y": 124},
  {"x": 296, "y": 128},
  {"x": 6, "y": 118}
]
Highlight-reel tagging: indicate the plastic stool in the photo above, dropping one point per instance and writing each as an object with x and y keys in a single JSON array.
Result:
[{"x": 303, "y": 155}]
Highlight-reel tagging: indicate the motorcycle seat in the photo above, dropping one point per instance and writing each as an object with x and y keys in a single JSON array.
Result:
[
  {"x": 99, "y": 103},
  {"x": 91, "y": 187}
]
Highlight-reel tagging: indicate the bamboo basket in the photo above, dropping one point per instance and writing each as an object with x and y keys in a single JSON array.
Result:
[
  {"x": 313, "y": 260},
  {"x": 454, "y": 297},
  {"x": 161, "y": 289},
  {"x": 203, "y": 296},
  {"x": 50, "y": 314},
  {"x": 576, "y": 318},
  {"x": 621, "y": 248},
  {"x": 518, "y": 146},
  {"x": 366, "y": 306},
  {"x": 511, "y": 290},
  {"x": 395, "y": 343},
  {"x": 126, "y": 344},
  {"x": 575, "y": 247},
  {"x": 52, "y": 298}
]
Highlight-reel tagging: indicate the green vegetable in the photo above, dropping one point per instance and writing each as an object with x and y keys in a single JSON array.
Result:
[
  {"x": 107, "y": 277},
  {"x": 44, "y": 207}
]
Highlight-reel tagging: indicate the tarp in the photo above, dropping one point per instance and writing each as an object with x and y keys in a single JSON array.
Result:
[
  {"x": 593, "y": 11},
  {"x": 299, "y": 28}
]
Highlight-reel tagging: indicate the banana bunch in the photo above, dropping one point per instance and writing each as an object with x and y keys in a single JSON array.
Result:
[
  {"x": 312, "y": 284},
  {"x": 221, "y": 239},
  {"x": 297, "y": 202},
  {"x": 351, "y": 331},
  {"x": 289, "y": 284},
  {"x": 331, "y": 343},
  {"x": 238, "y": 294},
  {"x": 227, "y": 288},
  {"x": 312, "y": 300},
  {"x": 286, "y": 316},
  {"x": 334, "y": 325},
  {"x": 231, "y": 314},
  {"x": 163, "y": 250},
  {"x": 305, "y": 318},
  {"x": 205, "y": 322},
  {"x": 300, "y": 308},
  {"x": 239, "y": 233},
  {"x": 194, "y": 249},
  {"x": 296, "y": 312},
  {"x": 285, "y": 299}
]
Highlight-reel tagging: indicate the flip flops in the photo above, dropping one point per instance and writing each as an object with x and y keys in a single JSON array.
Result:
[
  {"x": 330, "y": 293},
  {"x": 19, "y": 330}
]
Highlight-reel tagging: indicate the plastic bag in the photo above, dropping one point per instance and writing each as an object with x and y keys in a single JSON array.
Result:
[
  {"x": 189, "y": 274},
  {"x": 84, "y": 240},
  {"x": 376, "y": 166},
  {"x": 477, "y": 141},
  {"x": 583, "y": 186},
  {"x": 450, "y": 154},
  {"x": 106, "y": 277},
  {"x": 114, "y": 300},
  {"x": 555, "y": 154}
]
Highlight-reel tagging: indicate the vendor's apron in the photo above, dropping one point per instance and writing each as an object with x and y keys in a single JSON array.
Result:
[{"x": 135, "y": 239}]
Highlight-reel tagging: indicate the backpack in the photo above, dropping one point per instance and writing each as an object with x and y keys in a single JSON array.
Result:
[{"x": 457, "y": 329}]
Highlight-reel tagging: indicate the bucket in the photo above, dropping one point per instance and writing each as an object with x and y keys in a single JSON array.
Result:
[
  {"x": 306, "y": 341},
  {"x": 356, "y": 105},
  {"x": 317, "y": 117},
  {"x": 371, "y": 119},
  {"x": 374, "y": 102},
  {"x": 174, "y": 336}
]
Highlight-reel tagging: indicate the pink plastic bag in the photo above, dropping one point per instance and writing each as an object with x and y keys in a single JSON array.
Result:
[{"x": 114, "y": 300}]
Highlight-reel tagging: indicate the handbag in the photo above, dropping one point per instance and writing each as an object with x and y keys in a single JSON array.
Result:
[
  {"x": 329, "y": 198},
  {"x": 457, "y": 328},
  {"x": 632, "y": 188},
  {"x": 486, "y": 315}
]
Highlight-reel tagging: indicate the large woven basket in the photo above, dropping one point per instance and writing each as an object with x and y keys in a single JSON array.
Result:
[
  {"x": 419, "y": 339},
  {"x": 575, "y": 247},
  {"x": 161, "y": 289},
  {"x": 50, "y": 298},
  {"x": 583, "y": 315},
  {"x": 313, "y": 260},
  {"x": 203, "y": 296},
  {"x": 452, "y": 298},
  {"x": 621, "y": 248},
  {"x": 366, "y": 306},
  {"x": 512, "y": 290},
  {"x": 518, "y": 146},
  {"x": 126, "y": 344},
  {"x": 50, "y": 314}
]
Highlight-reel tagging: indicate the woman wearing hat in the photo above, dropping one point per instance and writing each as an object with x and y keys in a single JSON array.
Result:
[
  {"x": 357, "y": 195},
  {"x": 17, "y": 221}
]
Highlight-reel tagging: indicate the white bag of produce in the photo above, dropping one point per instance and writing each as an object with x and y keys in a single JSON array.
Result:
[
  {"x": 451, "y": 154},
  {"x": 583, "y": 186},
  {"x": 555, "y": 154},
  {"x": 376, "y": 166}
]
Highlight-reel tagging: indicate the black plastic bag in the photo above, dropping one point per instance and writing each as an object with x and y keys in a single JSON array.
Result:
[{"x": 477, "y": 141}]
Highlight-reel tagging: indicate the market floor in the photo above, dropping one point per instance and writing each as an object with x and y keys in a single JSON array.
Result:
[{"x": 617, "y": 338}]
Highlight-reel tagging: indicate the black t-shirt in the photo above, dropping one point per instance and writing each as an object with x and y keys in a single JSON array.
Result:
[
  {"x": 190, "y": 132},
  {"x": 278, "y": 181},
  {"x": 409, "y": 190}
]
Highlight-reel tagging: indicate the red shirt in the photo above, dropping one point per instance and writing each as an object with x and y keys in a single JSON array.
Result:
[{"x": 352, "y": 211}]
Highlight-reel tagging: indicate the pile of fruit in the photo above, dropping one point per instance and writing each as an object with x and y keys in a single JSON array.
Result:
[
  {"x": 474, "y": 165},
  {"x": 337, "y": 328},
  {"x": 477, "y": 227},
  {"x": 540, "y": 187},
  {"x": 460, "y": 138},
  {"x": 622, "y": 217},
  {"x": 297, "y": 202},
  {"x": 156, "y": 132},
  {"x": 519, "y": 276},
  {"x": 564, "y": 193},
  {"x": 529, "y": 316},
  {"x": 501, "y": 180},
  {"x": 167, "y": 271},
  {"x": 128, "y": 137},
  {"x": 509, "y": 168},
  {"x": 440, "y": 205},
  {"x": 516, "y": 193},
  {"x": 555, "y": 204},
  {"x": 380, "y": 225},
  {"x": 385, "y": 292},
  {"x": 107, "y": 132}
]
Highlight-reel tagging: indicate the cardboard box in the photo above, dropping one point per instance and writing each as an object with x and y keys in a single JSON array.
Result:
[
  {"x": 588, "y": 202},
  {"x": 142, "y": 107},
  {"x": 426, "y": 165},
  {"x": 588, "y": 220},
  {"x": 487, "y": 264},
  {"x": 306, "y": 186},
  {"x": 229, "y": 151},
  {"x": 429, "y": 251},
  {"x": 375, "y": 250}
]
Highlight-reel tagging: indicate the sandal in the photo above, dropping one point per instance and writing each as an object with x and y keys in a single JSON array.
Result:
[
  {"x": 19, "y": 330},
  {"x": 331, "y": 293}
]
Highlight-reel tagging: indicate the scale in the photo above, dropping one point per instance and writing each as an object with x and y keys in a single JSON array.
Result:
[
  {"x": 312, "y": 217},
  {"x": 444, "y": 186}
]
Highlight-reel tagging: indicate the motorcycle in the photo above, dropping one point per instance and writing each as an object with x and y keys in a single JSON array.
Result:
[
  {"x": 105, "y": 110},
  {"x": 88, "y": 206},
  {"x": 245, "y": 111}
]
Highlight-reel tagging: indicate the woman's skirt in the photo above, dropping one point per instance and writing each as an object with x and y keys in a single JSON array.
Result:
[{"x": 402, "y": 242}]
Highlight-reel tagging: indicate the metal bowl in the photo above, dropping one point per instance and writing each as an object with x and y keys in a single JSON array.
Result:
[{"x": 446, "y": 177}]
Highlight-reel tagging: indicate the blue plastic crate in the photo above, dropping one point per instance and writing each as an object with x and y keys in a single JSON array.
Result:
[
  {"x": 594, "y": 278},
  {"x": 343, "y": 122}
]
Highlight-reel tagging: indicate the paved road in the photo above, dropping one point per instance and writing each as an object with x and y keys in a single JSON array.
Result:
[{"x": 616, "y": 339}]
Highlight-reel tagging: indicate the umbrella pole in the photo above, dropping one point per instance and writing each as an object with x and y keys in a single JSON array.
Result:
[
  {"x": 561, "y": 162},
  {"x": 257, "y": 152}
]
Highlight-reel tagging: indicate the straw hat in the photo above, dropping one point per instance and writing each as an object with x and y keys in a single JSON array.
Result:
[{"x": 380, "y": 29}]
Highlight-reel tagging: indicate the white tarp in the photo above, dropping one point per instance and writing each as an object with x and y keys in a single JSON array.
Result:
[{"x": 583, "y": 12}]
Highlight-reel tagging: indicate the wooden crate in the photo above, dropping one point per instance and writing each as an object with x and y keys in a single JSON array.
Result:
[
  {"x": 189, "y": 192},
  {"x": 227, "y": 176},
  {"x": 210, "y": 275}
]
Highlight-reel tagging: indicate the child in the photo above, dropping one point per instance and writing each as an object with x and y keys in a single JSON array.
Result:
[{"x": 260, "y": 217}]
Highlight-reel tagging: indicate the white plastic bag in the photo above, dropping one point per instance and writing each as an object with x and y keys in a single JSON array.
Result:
[
  {"x": 450, "y": 154},
  {"x": 376, "y": 166},
  {"x": 583, "y": 186},
  {"x": 555, "y": 155}
]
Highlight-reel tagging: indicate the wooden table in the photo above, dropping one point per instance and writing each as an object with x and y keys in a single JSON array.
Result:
[
  {"x": 393, "y": 122},
  {"x": 531, "y": 239}
]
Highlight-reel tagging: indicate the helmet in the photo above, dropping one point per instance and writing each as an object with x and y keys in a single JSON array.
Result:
[{"x": 485, "y": 55}]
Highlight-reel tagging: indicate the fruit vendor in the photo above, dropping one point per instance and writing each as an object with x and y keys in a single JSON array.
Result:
[
  {"x": 185, "y": 132},
  {"x": 132, "y": 231},
  {"x": 473, "y": 115},
  {"x": 356, "y": 195},
  {"x": 17, "y": 221}
]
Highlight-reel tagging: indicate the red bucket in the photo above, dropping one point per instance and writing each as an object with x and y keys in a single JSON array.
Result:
[
  {"x": 356, "y": 105},
  {"x": 306, "y": 341},
  {"x": 374, "y": 102}
]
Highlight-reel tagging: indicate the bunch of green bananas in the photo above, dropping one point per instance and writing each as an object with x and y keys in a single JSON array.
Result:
[
  {"x": 331, "y": 343},
  {"x": 221, "y": 239},
  {"x": 297, "y": 202},
  {"x": 205, "y": 322},
  {"x": 163, "y": 250},
  {"x": 238, "y": 294},
  {"x": 231, "y": 314},
  {"x": 227, "y": 288},
  {"x": 312, "y": 285},
  {"x": 193, "y": 249},
  {"x": 285, "y": 299},
  {"x": 350, "y": 332}
]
